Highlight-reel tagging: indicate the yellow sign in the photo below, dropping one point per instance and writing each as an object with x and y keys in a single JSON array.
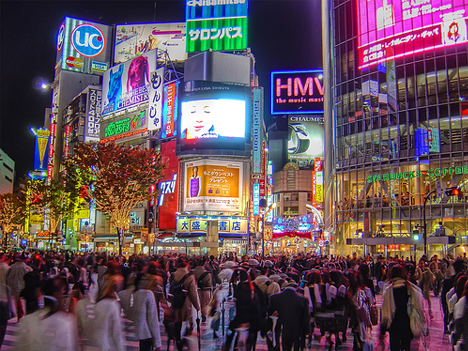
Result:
[
  {"x": 36, "y": 219},
  {"x": 225, "y": 226},
  {"x": 82, "y": 214}
]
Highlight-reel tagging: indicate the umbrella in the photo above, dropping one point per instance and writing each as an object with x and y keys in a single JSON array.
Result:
[
  {"x": 226, "y": 274},
  {"x": 198, "y": 332}
]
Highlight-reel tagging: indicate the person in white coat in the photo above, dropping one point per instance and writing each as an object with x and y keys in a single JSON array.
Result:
[
  {"x": 99, "y": 322},
  {"x": 50, "y": 328},
  {"x": 140, "y": 308}
]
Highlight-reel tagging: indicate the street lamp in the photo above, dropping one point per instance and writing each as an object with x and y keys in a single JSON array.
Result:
[{"x": 271, "y": 207}]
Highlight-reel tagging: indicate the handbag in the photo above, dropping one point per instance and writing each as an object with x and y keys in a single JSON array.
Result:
[{"x": 374, "y": 314}]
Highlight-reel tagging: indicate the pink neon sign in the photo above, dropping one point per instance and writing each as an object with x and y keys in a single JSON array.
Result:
[{"x": 389, "y": 29}]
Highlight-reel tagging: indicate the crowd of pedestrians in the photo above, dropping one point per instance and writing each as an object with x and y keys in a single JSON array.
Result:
[{"x": 65, "y": 301}]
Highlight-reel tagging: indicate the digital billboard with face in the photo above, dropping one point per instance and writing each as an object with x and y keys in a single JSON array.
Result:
[
  {"x": 389, "y": 29},
  {"x": 83, "y": 46},
  {"x": 132, "y": 40},
  {"x": 306, "y": 137},
  {"x": 213, "y": 185},
  {"x": 127, "y": 85},
  {"x": 217, "y": 119}
]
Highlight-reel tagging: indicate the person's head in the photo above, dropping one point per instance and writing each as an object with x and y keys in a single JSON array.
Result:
[
  {"x": 53, "y": 290},
  {"x": 453, "y": 30},
  {"x": 181, "y": 262},
  {"x": 465, "y": 290},
  {"x": 364, "y": 269},
  {"x": 460, "y": 284},
  {"x": 398, "y": 272},
  {"x": 200, "y": 117},
  {"x": 153, "y": 268},
  {"x": 314, "y": 277},
  {"x": 194, "y": 171},
  {"x": 459, "y": 265}
]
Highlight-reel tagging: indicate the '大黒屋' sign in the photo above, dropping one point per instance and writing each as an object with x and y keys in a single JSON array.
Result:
[{"x": 297, "y": 92}]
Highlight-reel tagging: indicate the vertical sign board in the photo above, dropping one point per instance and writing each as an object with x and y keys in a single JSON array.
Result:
[
  {"x": 216, "y": 24},
  {"x": 170, "y": 110},
  {"x": 155, "y": 94},
  {"x": 434, "y": 140},
  {"x": 83, "y": 46},
  {"x": 257, "y": 111},
  {"x": 42, "y": 148},
  {"x": 256, "y": 199},
  {"x": 93, "y": 115},
  {"x": 421, "y": 136},
  {"x": 318, "y": 180}
]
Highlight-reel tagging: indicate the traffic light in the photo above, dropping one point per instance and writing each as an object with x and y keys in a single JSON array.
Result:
[
  {"x": 452, "y": 192},
  {"x": 416, "y": 234}
]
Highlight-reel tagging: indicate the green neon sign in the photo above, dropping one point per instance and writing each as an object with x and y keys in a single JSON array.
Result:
[{"x": 433, "y": 172}]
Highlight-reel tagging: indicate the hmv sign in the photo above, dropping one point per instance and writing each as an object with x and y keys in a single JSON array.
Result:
[{"x": 295, "y": 92}]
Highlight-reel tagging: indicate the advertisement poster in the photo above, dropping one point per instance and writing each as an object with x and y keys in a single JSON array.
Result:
[
  {"x": 93, "y": 116},
  {"x": 83, "y": 46},
  {"x": 306, "y": 138},
  {"x": 127, "y": 84},
  {"x": 155, "y": 94},
  {"x": 233, "y": 226},
  {"x": 168, "y": 187},
  {"x": 42, "y": 149},
  {"x": 389, "y": 29},
  {"x": 170, "y": 110},
  {"x": 132, "y": 40},
  {"x": 125, "y": 126},
  {"x": 297, "y": 92},
  {"x": 220, "y": 27},
  {"x": 257, "y": 112},
  {"x": 213, "y": 185}
]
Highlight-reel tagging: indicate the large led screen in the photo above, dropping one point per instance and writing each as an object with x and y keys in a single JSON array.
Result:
[
  {"x": 217, "y": 119},
  {"x": 213, "y": 185},
  {"x": 389, "y": 29},
  {"x": 132, "y": 40},
  {"x": 306, "y": 137},
  {"x": 127, "y": 85}
]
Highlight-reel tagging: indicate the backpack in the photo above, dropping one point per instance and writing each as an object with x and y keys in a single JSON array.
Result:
[
  {"x": 177, "y": 293},
  {"x": 201, "y": 281}
]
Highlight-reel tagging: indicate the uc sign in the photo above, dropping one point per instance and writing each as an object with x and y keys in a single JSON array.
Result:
[
  {"x": 88, "y": 40},
  {"x": 297, "y": 92}
]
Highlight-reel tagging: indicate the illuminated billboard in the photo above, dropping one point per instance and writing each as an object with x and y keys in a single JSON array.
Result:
[
  {"x": 198, "y": 225},
  {"x": 168, "y": 187},
  {"x": 297, "y": 92},
  {"x": 125, "y": 126},
  {"x": 214, "y": 120},
  {"x": 83, "y": 46},
  {"x": 170, "y": 110},
  {"x": 127, "y": 84},
  {"x": 93, "y": 115},
  {"x": 306, "y": 138},
  {"x": 213, "y": 185},
  {"x": 132, "y": 40},
  {"x": 216, "y": 24},
  {"x": 42, "y": 150},
  {"x": 389, "y": 29}
]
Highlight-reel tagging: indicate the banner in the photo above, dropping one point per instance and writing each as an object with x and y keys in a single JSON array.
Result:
[
  {"x": 257, "y": 111},
  {"x": 155, "y": 99},
  {"x": 93, "y": 116},
  {"x": 42, "y": 149}
]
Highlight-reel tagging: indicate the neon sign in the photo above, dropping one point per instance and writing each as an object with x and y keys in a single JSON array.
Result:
[
  {"x": 297, "y": 92},
  {"x": 88, "y": 40}
]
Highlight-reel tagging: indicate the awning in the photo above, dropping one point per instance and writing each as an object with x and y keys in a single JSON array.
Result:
[{"x": 406, "y": 240}]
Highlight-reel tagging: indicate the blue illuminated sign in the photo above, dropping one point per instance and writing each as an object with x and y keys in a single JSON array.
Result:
[
  {"x": 256, "y": 198},
  {"x": 88, "y": 40}
]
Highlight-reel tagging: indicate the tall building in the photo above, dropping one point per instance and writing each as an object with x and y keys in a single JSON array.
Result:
[
  {"x": 7, "y": 173},
  {"x": 398, "y": 73}
]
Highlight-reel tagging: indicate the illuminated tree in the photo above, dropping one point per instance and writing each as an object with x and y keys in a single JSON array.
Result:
[
  {"x": 55, "y": 200},
  {"x": 117, "y": 177},
  {"x": 12, "y": 213}
]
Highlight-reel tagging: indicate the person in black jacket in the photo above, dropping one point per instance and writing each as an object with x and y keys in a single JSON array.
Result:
[
  {"x": 459, "y": 265},
  {"x": 293, "y": 314}
]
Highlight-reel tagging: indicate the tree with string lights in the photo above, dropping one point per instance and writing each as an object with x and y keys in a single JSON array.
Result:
[
  {"x": 116, "y": 177},
  {"x": 12, "y": 213}
]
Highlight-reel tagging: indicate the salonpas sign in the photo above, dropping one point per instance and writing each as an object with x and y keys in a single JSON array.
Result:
[{"x": 433, "y": 172}]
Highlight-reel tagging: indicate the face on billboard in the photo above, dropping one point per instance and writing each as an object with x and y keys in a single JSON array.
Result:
[
  {"x": 132, "y": 40},
  {"x": 213, "y": 185},
  {"x": 213, "y": 118},
  {"x": 389, "y": 29},
  {"x": 306, "y": 137},
  {"x": 127, "y": 84}
]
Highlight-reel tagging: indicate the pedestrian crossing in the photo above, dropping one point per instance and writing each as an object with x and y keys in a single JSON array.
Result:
[{"x": 435, "y": 341}]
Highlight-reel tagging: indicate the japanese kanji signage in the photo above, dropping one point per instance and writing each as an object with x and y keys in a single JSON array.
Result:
[
  {"x": 219, "y": 25},
  {"x": 228, "y": 225},
  {"x": 155, "y": 93},
  {"x": 213, "y": 185},
  {"x": 93, "y": 115},
  {"x": 126, "y": 126}
]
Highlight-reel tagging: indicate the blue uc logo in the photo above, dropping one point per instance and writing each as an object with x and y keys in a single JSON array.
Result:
[
  {"x": 60, "y": 37},
  {"x": 88, "y": 40}
]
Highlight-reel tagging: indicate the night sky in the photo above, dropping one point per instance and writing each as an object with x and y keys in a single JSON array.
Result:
[{"x": 283, "y": 35}]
